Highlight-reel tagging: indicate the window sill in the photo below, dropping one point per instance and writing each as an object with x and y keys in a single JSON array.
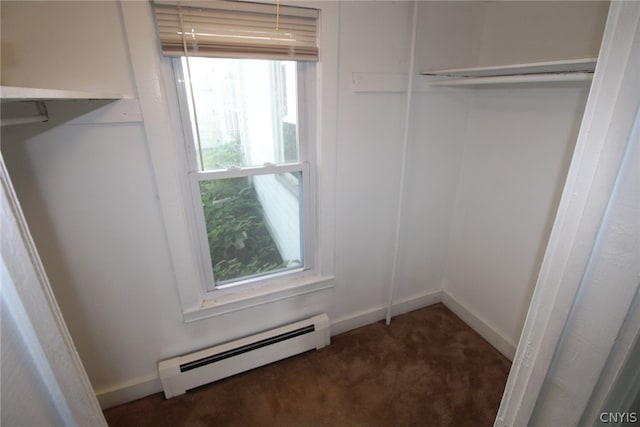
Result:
[{"x": 248, "y": 298}]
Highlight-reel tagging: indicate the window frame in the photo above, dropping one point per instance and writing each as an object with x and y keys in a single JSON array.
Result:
[
  {"x": 306, "y": 112},
  {"x": 307, "y": 228},
  {"x": 161, "y": 126}
]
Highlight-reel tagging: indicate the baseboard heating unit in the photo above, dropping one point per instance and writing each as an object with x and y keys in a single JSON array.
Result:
[{"x": 183, "y": 373}]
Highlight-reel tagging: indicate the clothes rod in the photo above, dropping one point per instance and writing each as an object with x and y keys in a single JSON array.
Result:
[{"x": 23, "y": 120}]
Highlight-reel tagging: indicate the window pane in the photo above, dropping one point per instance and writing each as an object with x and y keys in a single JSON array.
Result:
[
  {"x": 243, "y": 112},
  {"x": 253, "y": 225}
]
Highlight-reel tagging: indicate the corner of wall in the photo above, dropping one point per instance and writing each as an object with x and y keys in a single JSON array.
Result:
[
  {"x": 129, "y": 391},
  {"x": 375, "y": 314},
  {"x": 497, "y": 340}
]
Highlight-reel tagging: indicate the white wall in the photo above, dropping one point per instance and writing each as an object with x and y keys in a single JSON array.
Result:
[
  {"x": 449, "y": 34},
  {"x": 369, "y": 150},
  {"x": 436, "y": 143},
  {"x": 584, "y": 318},
  {"x": 54, "y": 47},
  {"x": 518, "y": 145},
  {"x": 532, "y": 31}
]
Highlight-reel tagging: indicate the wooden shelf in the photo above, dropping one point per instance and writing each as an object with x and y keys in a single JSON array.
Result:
[{"x": 573, "y": 70}]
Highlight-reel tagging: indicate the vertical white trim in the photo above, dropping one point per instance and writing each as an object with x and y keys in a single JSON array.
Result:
[
  {"x": 13, "y": 305},
  {"x": 26, "y": 290},
  {"x": 146, "y": 65},
  {"x": 403, "y": 164},
  {"x": 326, "y": 130},
  {"x": 306, "y": 75},
  {"x": 605, "y": 129},
  {"x": 619, "y": 382}
]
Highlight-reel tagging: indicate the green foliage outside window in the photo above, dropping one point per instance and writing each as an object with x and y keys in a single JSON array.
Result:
[
  {"x": 239, "y": 241},
  {"x": 223, "y": 155}
]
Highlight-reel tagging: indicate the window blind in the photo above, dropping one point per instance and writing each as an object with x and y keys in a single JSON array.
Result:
[{"x": 232, "y": 29}]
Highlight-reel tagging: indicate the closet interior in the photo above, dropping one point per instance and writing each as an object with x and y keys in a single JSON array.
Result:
[
  {"x": 497, "y": 97},
  {"x": 497, "y": 105}
]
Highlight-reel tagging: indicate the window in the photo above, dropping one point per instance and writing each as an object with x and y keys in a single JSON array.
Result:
[
  {"x": 248, "y": 166},
  {"x": 238, "y": 69},
  {"x": 303, "y": 149}
]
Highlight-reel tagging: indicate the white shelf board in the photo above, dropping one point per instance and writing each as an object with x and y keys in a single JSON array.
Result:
[
  {"x": 581, "y": 65},
  {"x": 27, "y": 105},
  {"x": 514, "y": 79},
  {"x": 13, "y": 93}
]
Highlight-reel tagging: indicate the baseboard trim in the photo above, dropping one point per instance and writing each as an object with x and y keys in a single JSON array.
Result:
[
  {"x": 145, "y": 386},
  {"x": 500, "y": 343},
  {"x": 128, "y": 391},
  {"x": 415, "y": 302},
  {"x": 372, "y": 315}
]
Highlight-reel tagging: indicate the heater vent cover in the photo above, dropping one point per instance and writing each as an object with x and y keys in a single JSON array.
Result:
[{"x": 183, "y": 373}]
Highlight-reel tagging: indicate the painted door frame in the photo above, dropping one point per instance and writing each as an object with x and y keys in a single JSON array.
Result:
[
  {"x": 28, "y": 298},
  {"x": 607, "y": 129}
]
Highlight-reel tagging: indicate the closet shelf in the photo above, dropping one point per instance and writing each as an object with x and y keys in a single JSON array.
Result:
[
  {"x": 514, "y": 79},
  {"x": 25, "y": 105},
  {"x": 573, "y": 70},
  {"x": 14, "y": 93}
]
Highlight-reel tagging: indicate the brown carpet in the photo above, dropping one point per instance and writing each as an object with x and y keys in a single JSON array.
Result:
[{"x": 427, "y": 368}]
